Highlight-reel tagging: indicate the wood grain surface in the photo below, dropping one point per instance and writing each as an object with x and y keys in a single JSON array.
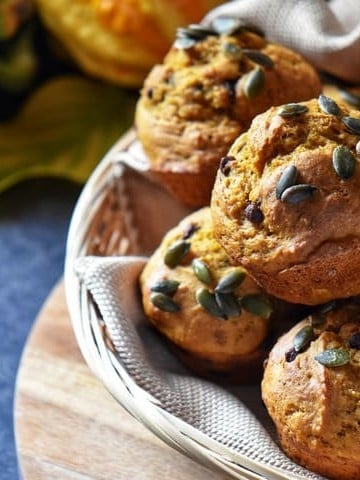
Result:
[{"x": 68, "y": 426}]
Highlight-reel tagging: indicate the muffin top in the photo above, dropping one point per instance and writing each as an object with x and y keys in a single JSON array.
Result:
[
  {"x": 221, "y": 80},
  {"x": 286, "y": 200},
  {"x": 198, "y": 300},
  {"x": 311, "y": 387}
]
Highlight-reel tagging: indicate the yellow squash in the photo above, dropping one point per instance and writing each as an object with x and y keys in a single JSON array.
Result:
[{"x": 119, "y": 40}]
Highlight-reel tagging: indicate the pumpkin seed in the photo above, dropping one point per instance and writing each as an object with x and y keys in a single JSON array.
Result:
[
  {"x": 328, "y": 105},
  {"x": 194, "y": 31},
  {"x": 352, "y": 124},
  {"x": 228, "y": 303},
  {"x": 201, "y": 271},
  {"x": 258, "y": 57},
  {"x": 297, "y": 193},
  {"x": 253, "y": 213},
  {"x": 224, "y": 164},
  {"x": 357, "y": 148},
  {"x": 229, "y": 282},
  {"x": 257, "y": 304},
  {"x": 287, "y": 179},
  {"x": 208, "y": 301},
  {"x": 232, "y": 50},
  {"x": 343, "y": 162},
  {"x": 176, "y": 252},
  {"x": 317, "y": 319},
  {"x": 292, "y": 109},
  {"x": 354, "y": 340},
  {"x": 253, "y": 83},
  {"x": 327, "y": 307},
  {"x": 225, "y": 25},
  {"x": 333, "y": 357},
  {"x": 303, "y": 338},
  {"x": 349, "y": 97},
  {"x": 184, "y": 43},
  {"x": 166, "y": 286},
  {"x": 164, "y": 303}
]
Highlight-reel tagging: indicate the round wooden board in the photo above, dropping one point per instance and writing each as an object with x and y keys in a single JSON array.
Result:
[{"x": 68, "y": 426}]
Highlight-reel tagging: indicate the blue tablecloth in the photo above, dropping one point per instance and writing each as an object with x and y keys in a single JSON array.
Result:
[{"x": 34, "y": 218}]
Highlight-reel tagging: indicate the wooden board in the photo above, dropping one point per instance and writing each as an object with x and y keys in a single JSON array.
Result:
[{"x": 69, "y": 427}]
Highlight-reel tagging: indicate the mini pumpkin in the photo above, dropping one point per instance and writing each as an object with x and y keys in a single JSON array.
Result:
[{"x": 119, "y": 40}]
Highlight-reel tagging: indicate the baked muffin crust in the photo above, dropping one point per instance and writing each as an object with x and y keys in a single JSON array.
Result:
[{"x": 303, "y": 248}]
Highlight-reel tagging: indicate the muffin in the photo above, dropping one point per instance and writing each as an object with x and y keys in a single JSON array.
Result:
[
  {"x": 214, "y": 314},
  {"x": 311, "y": 388},
  {"x": 211, "y": 84},
  {"x": 286, "y": 201}
]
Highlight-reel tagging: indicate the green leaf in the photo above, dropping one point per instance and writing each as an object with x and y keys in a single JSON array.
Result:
[{"x": 64, "y": 130}]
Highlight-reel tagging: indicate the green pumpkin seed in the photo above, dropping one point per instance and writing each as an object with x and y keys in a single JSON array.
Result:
[
  {"x": 352, "y": 124},
  {"x": 194, "y": 31},
  {"x": 258, "y": 57},
  {"x": 229, "y": 282},
  {"x": 357, "y": 148},
  {"x": 176, "y": 252},
  {"x": 164, "y": 303},
  {"x": 228, "y": 304},
  {"x": 208, "y": 301},
  {"x": 225, "y": 25},
  {"x": 328, "y": 105},
  {"x": 343, "y": 162},
  {"x": 232, "y": 50},
  {"x": 201, "y": 271},
  {"x": 351, "y": 98},
  {"x": 184, "y": 43},
  {"x": 166, "y": 286},
  {"x": 333, "y": 357},
  {"x": 297, "y": 193},
  {"x": 253, "y": 83},
  {"x": 292, "y": 109},
  {"x": 303, "y": 338},
  {"x": 287, "y": 179},
  {"x": 257, "y": 304}
]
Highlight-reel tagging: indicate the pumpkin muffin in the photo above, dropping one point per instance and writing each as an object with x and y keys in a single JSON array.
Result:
[
  {"x": 213, "y": 313},
  {"x": 286, "y": 201},
  {"x": 311, "y": 388},
  {"x": 211, "y": 84}
]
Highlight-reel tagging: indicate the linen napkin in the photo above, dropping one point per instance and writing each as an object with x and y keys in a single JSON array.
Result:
[{"x": 326, "y": 33}]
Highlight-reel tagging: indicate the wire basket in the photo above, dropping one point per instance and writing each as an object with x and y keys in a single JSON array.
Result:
[{"x": 117, "y": 216}]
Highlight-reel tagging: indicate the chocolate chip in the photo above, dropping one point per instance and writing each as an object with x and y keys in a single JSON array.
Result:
[
  {"x": 253, "y": 213},
  {"x": 224, "y": 164}
]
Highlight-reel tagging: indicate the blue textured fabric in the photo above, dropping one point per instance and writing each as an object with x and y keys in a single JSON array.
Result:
[{"x": 34, "y": 218}]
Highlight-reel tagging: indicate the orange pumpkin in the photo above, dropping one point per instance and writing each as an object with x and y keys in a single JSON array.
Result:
[{"x": 119, "y": 40}]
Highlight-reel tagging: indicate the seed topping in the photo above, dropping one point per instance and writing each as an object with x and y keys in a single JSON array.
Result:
[
  {"x": 343, "y": 162},
  {"x": 229, "y": 282},
  {"x": 333, "y": 357},
  {"x": 292, "y": 109},
  {"x": 228, "y": 303},
  {"x": 258, "y": 57},
  {"x": 166, "y": 286},
  {"x": 352, "y": 124},
  {"x": 303, "y": 338},
  {"x": 190, "y": 230},
  {"x": 184, "y": 43},
  {"x": 328, "y": 105},
  {"x": 253, "y": 83},
  {"x": 297, "y": 193},
  {"x": 287, "y": 179},
  {"x": 349, "y": 97},
  {"x": 257, "y": 304},
  {"x": 176, "y": 252},
  {"x": 208, "y": 301},
  {"x": 201, "y": 271},
  {"x": 164, "y": 302}
]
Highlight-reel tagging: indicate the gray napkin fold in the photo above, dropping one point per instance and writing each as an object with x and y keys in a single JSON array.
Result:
[
  {"x": 226, "y": 416},
  {"x": 326, "y": 33}
]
